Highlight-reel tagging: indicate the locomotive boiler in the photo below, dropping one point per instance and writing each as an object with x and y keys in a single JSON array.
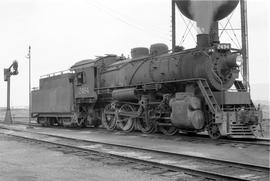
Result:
[
  {"x": 156, "y": 90},
  {"x": 218, "y": 67}
]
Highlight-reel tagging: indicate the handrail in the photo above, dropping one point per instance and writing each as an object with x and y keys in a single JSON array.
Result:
[{"x": 56, "y": 73}]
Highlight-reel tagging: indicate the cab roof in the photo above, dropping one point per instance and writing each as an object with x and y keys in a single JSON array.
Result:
[{"x": 83, "y": 64}]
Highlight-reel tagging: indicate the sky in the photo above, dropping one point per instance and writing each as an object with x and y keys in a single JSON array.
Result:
[{"x": 62, "y": 32}]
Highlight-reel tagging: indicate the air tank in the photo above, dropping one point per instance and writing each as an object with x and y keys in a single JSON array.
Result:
[{"x": 221, "y": 8}]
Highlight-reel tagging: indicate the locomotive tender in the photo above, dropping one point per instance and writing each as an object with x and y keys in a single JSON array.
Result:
[{"x": 154, "y": 90}]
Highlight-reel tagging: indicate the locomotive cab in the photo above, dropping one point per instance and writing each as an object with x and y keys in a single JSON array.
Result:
[{"x": 85, "y": 81}]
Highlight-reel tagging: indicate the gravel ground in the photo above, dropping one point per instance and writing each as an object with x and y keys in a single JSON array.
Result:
[{"x": 23, "y": 161}]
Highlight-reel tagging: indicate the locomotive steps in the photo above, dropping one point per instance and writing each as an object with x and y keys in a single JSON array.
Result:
[{"x": 192, "y": 163}]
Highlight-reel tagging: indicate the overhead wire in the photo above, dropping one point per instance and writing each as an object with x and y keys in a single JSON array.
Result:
[
  {"x": 129, "y": 17},
  {"x": 112, "y": 13},
  {"x": 116, "y": 15}
]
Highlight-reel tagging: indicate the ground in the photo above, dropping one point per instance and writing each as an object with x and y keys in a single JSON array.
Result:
[{"x": 22, "y": 161}]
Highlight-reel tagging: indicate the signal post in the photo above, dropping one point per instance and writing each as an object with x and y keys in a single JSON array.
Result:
[{"x": 8, "y": 72}]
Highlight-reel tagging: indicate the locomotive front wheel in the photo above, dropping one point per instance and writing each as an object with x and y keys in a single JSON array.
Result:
[
  {"x": 109, "y": 118},
  {"x": 168, "y": 130},
  {"x": 126, "y": 123},
  {"x": 213, "y": 131}
]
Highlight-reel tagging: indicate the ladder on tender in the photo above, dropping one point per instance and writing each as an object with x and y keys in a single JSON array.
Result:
[
  {"x": 239, "y": 86},
  {"x": 208, "y": 96}
]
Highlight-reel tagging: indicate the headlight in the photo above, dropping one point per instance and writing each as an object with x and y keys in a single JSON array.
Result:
[{"x": 239, "y": 60}]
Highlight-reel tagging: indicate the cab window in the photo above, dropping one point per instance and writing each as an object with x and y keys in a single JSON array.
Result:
[{"x": 80, "y": 78}]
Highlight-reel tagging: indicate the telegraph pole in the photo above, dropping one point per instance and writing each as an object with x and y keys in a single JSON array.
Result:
[
  {"x": 173, "y": 25},
  {"x": 12, "y": 70},
  {"x": 244, "y": 34},
  {"x": 30, "y": 106}
]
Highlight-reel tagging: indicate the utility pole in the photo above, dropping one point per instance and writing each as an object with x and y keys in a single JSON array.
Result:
[
  {"x": 30, "y": 106},
  {"x": 8, "y": 72},
  {"x": 173, "y": 25},
  {"x": 244, "y": 34}
]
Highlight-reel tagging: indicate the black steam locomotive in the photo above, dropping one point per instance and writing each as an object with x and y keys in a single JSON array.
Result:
[{"x": 154, "y": 90}]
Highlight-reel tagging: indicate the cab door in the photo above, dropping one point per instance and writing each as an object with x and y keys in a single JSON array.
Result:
[{"x": 85, "y": 83}]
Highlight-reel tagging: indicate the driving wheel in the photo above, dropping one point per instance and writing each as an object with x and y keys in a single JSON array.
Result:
[
  {"x": 126, "y": 122},
  {"x": 108, "y": 117}
]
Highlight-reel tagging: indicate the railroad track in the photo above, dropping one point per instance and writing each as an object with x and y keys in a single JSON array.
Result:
[
  {"x": 206, "y": 168},
  {"x": 193, "y": 138}
]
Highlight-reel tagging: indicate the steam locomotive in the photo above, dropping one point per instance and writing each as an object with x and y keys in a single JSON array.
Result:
[{"x": 156, "y": 90}]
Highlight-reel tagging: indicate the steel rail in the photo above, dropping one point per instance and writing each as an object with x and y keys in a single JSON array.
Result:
[
  {"x": 170, "y": 167},
  {"x": 206, "y": 173}
]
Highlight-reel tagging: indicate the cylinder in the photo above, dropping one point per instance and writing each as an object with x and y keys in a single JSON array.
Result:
[{"x": 124, "y": 94}]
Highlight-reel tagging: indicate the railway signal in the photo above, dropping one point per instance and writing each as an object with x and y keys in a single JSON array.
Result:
[{"x": 8, "y": 72}]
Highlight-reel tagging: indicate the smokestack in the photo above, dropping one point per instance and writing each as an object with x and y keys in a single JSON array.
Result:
[{"x": 203, "y": 40}]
